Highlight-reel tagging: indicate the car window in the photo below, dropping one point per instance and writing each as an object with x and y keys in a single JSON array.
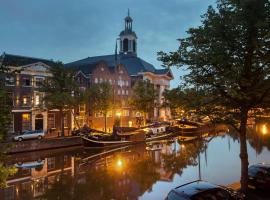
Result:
[
  {"x": 174, "y": 196},
  {"x": 252, "y": 171},
  {"x": 218, "y": 194}
]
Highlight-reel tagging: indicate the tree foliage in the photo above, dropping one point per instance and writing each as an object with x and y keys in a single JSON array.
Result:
[
  {"x": 144, "y": 97},
  {"x": 100, "y": 99},
  {"x": 5, "y": 118},
  {"x": 228, "y": 60},
  {"x": 61, "y": 90}
]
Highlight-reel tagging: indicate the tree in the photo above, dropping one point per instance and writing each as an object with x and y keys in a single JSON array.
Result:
[
  {"x": 144, "y": 97},
  {"x": 228, "y": 62},
  {"x": 5, "y": 118},
  {"x": 61, "y": 91},
  {"x": 100, "y": 98}
]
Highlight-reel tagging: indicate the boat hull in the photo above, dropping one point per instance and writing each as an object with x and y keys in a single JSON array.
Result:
[{"x": 103, "y": 144}]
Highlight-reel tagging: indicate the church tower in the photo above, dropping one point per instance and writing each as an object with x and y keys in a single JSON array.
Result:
[{"x": 128, "y": 39}]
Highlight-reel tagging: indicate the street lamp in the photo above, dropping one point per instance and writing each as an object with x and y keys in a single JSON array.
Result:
[{"x": 118, "y": 114}]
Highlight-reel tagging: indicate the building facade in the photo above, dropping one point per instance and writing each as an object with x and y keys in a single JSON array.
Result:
[
  {"x": 23, "y": 87},
  {"x": 122, "y": 70}
]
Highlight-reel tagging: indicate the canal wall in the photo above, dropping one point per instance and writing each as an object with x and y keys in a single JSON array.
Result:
[{"x": 43, "y": 144}]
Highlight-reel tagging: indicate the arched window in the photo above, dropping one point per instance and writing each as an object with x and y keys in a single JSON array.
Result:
[
  {"x": 125, "y": 45},
  {"x": 134, "y": 46}
]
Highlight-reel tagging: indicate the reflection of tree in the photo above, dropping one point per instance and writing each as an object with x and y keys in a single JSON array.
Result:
[
  {"x": 61, "y": 189},
  {"x": 144, "y": 172},
  {"x": 256, "y": 139},
  {"x": 187, "y": 156}
]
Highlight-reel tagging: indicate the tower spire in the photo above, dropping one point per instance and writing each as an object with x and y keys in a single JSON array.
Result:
[{"x": 128, "y": 12}]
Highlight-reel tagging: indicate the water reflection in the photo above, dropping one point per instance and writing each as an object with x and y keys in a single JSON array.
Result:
[{"x": 138, "y": 172}]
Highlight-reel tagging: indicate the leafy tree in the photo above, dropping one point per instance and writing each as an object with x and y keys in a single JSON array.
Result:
[
  {"x": 100, "y": 98},
  {"x": 61, "y": 91},
  {"x": 228, "y": 62},
  {"x": 5, "y": 118},
  {"x": 144, "y": 97}
]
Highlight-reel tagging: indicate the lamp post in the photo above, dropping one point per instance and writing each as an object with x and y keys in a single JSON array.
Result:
[{"x": 118, "y": 114}]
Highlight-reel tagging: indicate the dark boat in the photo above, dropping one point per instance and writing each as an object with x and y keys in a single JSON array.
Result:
[{"x": 88, "y": 142}]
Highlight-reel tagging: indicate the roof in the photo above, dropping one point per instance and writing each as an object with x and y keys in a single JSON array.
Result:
[
  {"x": 132, "y": 63},
  {"x": 193, "y": 188},
  {"x": 16, "y": 60}
]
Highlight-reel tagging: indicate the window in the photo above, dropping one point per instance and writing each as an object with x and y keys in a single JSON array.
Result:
[
  {"x": 39, "y": 81},
  {"x": 126, "y": 92},
  {"x": 51, "y": 163},
  {"x": 109, "y": 113},
  {"x": 26, "y": 82},
  {"x": 126, "y": 83},
  {"x": 26, "y": 122},
  {"x": 119, "y": 92},
  {"x": 125, "y": 45},
  {"x": 26, "y": 100},
  {"x": 123, "y": 92},
  {"x": 125, "y": 113},
  {"x": 98, "y": 114},
  {"x": 65, "y": 121},
  {"x": 38, "y": 99},
  {"x": 82, "y": 108},
  {"x": 110, "y": 80},
  {"x": 51, "y": 120},
  {"x": 10, "y": 81},
  {"x": 100, "y": 80},
  {"x": 96, "y": 80}
]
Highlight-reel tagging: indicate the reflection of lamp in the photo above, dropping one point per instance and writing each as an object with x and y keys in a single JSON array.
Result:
[
  {"x": 264, "y": 129},
  {"x": 119, "y": 163}
]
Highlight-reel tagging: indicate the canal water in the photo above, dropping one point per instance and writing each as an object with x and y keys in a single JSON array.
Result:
[{"x": 145, "y": 172}]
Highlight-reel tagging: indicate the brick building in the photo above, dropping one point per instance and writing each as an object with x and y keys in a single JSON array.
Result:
[
  {"x": 28, "y": 111},
  {"x": 121, "y": 70}
]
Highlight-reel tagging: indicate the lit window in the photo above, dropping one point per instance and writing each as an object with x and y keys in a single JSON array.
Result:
[
  {"x": 119, "y": 92},
  {"x": 37, "y": 100},
  {"x": 96, "y": 80},
  {"x": 126, "y": 83},
  {"x": 110, "y": 81},
  {"x": 100, "y": 80},
  {"x": 65, "y": 121},
  {"x": 98, "y": 114},
  {"x": 123, "y": 92},
  {"x": 126, "y": 113},
  {"x": 26, "y": 122},
  {"x": 126, "y": 92},
  {"x": 25, "y": 100},
  {"x": 82, "y": 108},
  {"x": 109, "y": 113}
]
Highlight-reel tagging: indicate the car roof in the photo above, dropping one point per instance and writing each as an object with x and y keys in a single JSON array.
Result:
[
  {"x": 195, "y": 187},
  {"x": 261, "y": 165}
]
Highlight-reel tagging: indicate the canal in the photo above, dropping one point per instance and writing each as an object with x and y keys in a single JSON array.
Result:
[{"x": 144, "y": 172}]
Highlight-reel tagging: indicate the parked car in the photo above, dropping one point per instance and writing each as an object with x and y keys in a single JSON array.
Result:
[
  {"x": 200, "y": 190},
  {"x": 37, "y": 134},
  {"x": 259, "y": 176}
]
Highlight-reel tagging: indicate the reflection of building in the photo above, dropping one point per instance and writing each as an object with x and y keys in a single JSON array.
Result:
[
  {"x": 28, "y": 111},
  {"x": 34, "y": 177},
  {"x": 122, "y": 70}
]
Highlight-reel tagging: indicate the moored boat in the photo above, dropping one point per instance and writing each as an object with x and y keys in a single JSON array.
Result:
[{"x": 89, "y": 142}]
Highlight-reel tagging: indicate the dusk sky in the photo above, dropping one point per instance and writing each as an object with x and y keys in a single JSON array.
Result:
[{"x": 69, "y": 30}]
